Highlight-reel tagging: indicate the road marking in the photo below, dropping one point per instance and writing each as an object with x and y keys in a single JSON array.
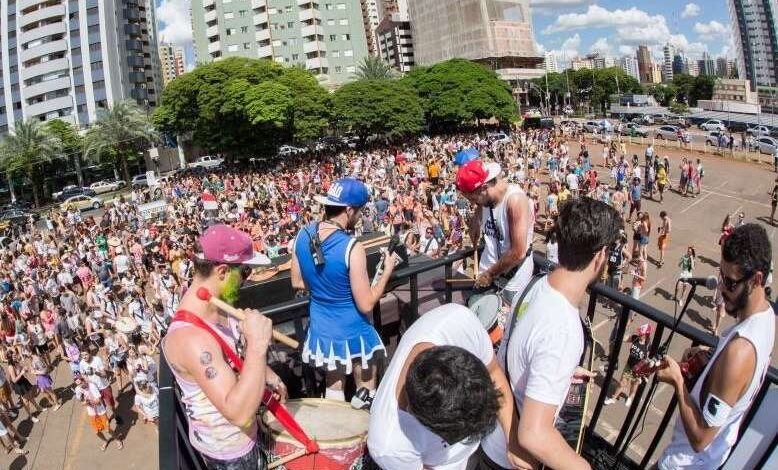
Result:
[
  {"x": 646, "y": 291},
  {"x": 76, "y": 442},
  {"x": 737, "y": 198},
  {"x": 697, "y": 202},
  {"x": 721, "y": 185}
]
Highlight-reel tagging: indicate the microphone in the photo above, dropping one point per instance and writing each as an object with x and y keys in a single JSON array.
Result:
[
  {"x": 394, "y": 242},
  {"x": 711, "y": 282}
]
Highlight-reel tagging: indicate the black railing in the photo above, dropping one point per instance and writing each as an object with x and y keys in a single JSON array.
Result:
[{"x": 175, "y": 452}]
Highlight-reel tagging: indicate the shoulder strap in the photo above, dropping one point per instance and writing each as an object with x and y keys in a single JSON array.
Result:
[
  {"x": 188, "y": 317},
  {"x": 514, "y": 317}
]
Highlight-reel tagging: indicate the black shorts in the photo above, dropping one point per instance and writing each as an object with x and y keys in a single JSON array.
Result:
[
  {"x": 41, "y": 348},
  {"x": 480, "y": 461}
]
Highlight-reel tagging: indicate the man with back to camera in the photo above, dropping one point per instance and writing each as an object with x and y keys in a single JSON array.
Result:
[
  {"x": 442, "y": 392},
  {"x": 505, "y": 215},
  {"x": 709, "y": 415},
  {"x": 546, "y": 343},
  {"x": 221, "y": 405}
]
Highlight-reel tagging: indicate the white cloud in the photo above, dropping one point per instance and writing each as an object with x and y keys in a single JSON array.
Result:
[
  {"x": 540, "y": 48},
  {"x": 569, "y": 49},
  {"x": 175, "y": 23},
  {"x": 598, "y": 17},
  {"x": 601, "y": 45},
  {"x": 627, "y": 50},
  {"x": 690, "y": 10},
  {"x": 711, "y": 30}
]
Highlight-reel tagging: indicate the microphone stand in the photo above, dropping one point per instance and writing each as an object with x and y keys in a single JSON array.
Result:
[{"x": 655, "y": 382}]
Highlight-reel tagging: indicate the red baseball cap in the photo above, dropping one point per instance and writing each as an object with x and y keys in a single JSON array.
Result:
[
  {"x": 475, "y": 173},
  {"x": 226, "y": 245}
]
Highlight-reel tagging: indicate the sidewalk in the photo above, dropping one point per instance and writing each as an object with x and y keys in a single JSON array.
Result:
[{"x": 63, "y": 439}]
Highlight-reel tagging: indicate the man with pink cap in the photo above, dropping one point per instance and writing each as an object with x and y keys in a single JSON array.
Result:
[{"x": 220, "y": 404}]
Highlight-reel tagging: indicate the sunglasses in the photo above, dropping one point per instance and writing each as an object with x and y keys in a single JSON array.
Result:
[{"x": 732, "y": 284}]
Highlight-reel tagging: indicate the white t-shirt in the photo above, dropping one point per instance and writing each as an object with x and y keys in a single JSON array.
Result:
[
  {"x": 148, "y": 403},
  {"x": 91, "y": 394},
  {"x": 89, "y": 371},
  {"x": 428, "y": 245},
  {"x": 397, "y": 440},
  {"x": 572, "y": 181},
  {"x": 121, "y": 263},
  {"x": 542, "y": 356}
]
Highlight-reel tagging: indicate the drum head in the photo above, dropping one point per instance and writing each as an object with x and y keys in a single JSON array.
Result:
[
  {"x": 331, "y": 423},
  {"x": 486, "y": 307}
]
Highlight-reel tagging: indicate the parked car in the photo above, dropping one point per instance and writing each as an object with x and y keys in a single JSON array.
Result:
[
  {"x": 712, "y": 138},
  {"x": 767, "y": 145},
  {"x": 17, "y": 216},
  {"x": 667, "y": 132},
  {"x": 537, "y": 123},
  {"x": 713, "y": 125},
  {"x": 56, "y": 195},
  {"x": 106, "y": 186},
  {"x": 660, "y": 118},
  {"x": 500, "y": 137},
  {"x": 758, "y": 131},
  {"x": 140, "y": 180},
  {"x": 287, "y": 150},
  {"x": 18, "y": 204},
  {"x": 646, "y": 119},
  {"x": 634, "y": 129},
  {"x": 207, "y": 161},
  {"x": 677, "y": 121},
  {"x": 81, "y": 203},
  {"x": 569, "y": 123},
  {"x": 70, "y": 191},
  {"x": 591, "y": 126}
]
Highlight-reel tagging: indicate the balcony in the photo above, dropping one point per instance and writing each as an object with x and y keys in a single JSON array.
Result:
[
  {"x": 212, "y": 31},
  {"x": 59, "y": 27},
  {"x": 312, "y": 46},
  {"x": 312, "y": 30},
  {"x": 316, "y": 63},
  {"x": 132, "y": 29},
  {"x": 137, "y": 77},
  {"x": 45, "y": 87},
  {"x": 265, "y": 52},
  {"x": 48, "y": 106},
  {"x": 310, "y": 14},
  {"x": 207, "y": 3},
  {"x": 42, "y": 14},
  {"x": 261, "y": 18},
  {"x": 136, "y": 61},
  {"x": 256, "y": 4},
  {"x": 210, "y": 16},
  {"x": 214, "y": 47},
  {"x": 134, "y": 45},
  {"x": 44, "y": 68},
  {"x": 43, "y": 49},
  {"x": 262, "y": 35},
  {"x": 301, "y": 3}
]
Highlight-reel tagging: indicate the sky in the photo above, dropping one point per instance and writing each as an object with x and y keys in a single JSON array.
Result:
[{"x": 571, "y": 27}]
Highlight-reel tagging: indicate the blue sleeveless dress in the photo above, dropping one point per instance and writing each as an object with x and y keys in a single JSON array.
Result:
[{"x": 338, "y": 332}]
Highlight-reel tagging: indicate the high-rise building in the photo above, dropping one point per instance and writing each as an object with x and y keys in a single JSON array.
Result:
[
  {"x": 370, "y": 23},
  {"x": 591, "y": 61},
  {"x": 326, "y": 38},
  {"x": 656, "y": 73},
  {"x": 692, "y": 66},
  {"x": 721, "y": 67},
  {"x": 66, "y": 59},
  {"x": 172, "y": 58},
  {"x": 706, "y": 65},
  {"x": 679, "y": 64},
  {"x": 667, "y": 65},
  {"x": 630, "y": 66},
  {"x": 550, "y": 62},
  {"x": 644, "y": 64},
  {"x": 497, "y": 33},
  {"x": 756, "y": 40},
  {"x": 395, "y": 41}
]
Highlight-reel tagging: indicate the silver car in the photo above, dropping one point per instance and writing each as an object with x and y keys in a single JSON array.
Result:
[
  {"x": 667, "y": 133},
  {"x": 759, "y": 131},
  {"x": 591, "y": 126},
  {"x": 767, "y": 145}
]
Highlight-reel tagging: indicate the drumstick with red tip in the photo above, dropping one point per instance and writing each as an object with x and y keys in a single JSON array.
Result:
[{"x": 205, "y": 294}]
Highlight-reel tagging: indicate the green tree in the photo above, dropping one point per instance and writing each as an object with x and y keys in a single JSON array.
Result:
[
  {"x": 26, "y": 148},
  {"x": 119, "y": 133},
  {"x": 458, "y": 91},
  {"x": 374, "y": 68},
  {"x": 242, "y": 107},
  {"x": 692, "y": 89},
  {"x": 72, "y": 144},
  {"x": 383, "y": 107}
]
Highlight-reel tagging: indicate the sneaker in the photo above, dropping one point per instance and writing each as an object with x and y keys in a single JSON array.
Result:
[
  {"x": 362, "y": 400},
  {"x": 628, "y": 402},
  {"x": 610, "y": 401},
  {"x": 34, "y": 419},
  {"x": 20, "y": 451}
]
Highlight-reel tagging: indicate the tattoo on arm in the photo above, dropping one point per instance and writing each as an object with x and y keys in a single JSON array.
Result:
[
  {"x": 205, "y": 358},
  {"x": 210, "y": 373}
]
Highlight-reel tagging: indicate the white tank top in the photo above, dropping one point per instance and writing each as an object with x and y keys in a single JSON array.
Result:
[
  {"x": 500, "y": 237},
  {"x": 759, "y": 329}
]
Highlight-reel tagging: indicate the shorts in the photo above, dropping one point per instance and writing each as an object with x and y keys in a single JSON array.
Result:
[
  {"x": 44, "y": 382},
  {"x": 22, "y": 387},
  {"x": 685, "y": 275},
  {"x": 629, "y": 375},
  {"x": 643, "y": 240},
  {"x": 99, "y": 423},
  {"x": 107, "y": 395},
  {"x": 635, "y": 206},
  {"x": 41, "y": 348},
  {"x": 662, "y": 242},
  {"x": 252, "y": 460}
]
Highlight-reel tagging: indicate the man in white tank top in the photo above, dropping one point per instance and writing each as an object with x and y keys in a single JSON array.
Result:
[
  {"x": 505, "y": 216},
  {"x": 710, "y": 415}
]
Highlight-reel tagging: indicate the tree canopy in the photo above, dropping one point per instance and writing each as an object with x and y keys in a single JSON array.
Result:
[
  {"x": 383, "y": 107},
  {"x": 241, "y": 107},
  {"x": 459, "y": 91},
  {"x": 24, "y": 149},
  {"x": 374, "y": 68},
  {"x": 594, "y": 87}
]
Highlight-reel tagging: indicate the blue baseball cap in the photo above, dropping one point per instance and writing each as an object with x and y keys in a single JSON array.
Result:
[{"x": 345, "y": 192}]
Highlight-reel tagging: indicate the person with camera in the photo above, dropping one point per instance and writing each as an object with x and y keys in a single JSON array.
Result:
[
  {"x": 709, "y": 415},
  {"x": 220, "y": 397},
  {"x": 505, "y": 215},
  {"x": 332, "y": 265},
  {"x": 93, "y": 369},
  {"x": 89, "y": 394}
]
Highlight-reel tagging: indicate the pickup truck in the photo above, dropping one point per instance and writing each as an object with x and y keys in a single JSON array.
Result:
[{"x": 207, "y": 162}]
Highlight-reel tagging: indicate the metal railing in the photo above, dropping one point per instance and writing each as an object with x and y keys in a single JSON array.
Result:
[{"x": 175, "y": 452}]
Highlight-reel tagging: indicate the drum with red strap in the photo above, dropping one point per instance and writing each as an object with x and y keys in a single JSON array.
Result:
[{"x": 338, "y": 429}]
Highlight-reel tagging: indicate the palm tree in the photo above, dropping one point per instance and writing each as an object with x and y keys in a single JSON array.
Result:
[
  {"x": 374, "y": 68},
  {"x": 29, "y": 145},
  {"x": 119, "y": 132}
]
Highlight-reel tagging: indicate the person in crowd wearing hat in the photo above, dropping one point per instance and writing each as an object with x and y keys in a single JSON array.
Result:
[
  {"x": 221, "y": 404},
  {"x": 540, "y": 352},
  {"x": 332, "y": 265},
  {"x": 146, "y": 399},
  {"x": 638, "y": 351},
  {"x": 442, "y": 392},
  {"x": 505, "y": 216}
]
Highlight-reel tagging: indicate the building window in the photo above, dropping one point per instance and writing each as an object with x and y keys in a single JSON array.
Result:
[
  {"x": 273, "y": 26},
  {"x": 290, "y": 24},
  {"x": 98, "y": 85},
  {"x": 333, "y": 37},
  {"x": 276, "y": 43},
  {"x": 345, "y": 37},
  {"x": 292, "y": 41},
  {"x": 335, "y": 54},
  {"x": 273, "y": 11},
  {"x": 341, "y": 6},
  {"x": 231, "y": 31},
  {"x": 246, "y": 46},
  {"x": 351, "y": 69},
  {"x": 295, "y": 56},
  {"x": 232, "y": 48},
  {"x": 242, "y": 13},
  {"x": 338, "y": 69},
  {"x": 244, "y": 29},
  {"x": 343, "y": 22},
  {"x": 288, "y": 9},
  {"x": 229, "y": 15},
  {"x": 328, "y": 6},
  {"x": 348, "y": 53}
]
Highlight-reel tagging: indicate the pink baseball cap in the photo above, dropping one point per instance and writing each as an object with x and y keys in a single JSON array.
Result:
[
  {"x": 645, "y": 329},
  {"x": 226, "y": 245}
]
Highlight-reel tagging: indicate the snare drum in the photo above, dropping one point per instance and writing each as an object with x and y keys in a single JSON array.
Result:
[
  {"x": 339, "y": 429},
  {"x": 487, "y": 308},
  {"x": 126, "y": 325}
]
